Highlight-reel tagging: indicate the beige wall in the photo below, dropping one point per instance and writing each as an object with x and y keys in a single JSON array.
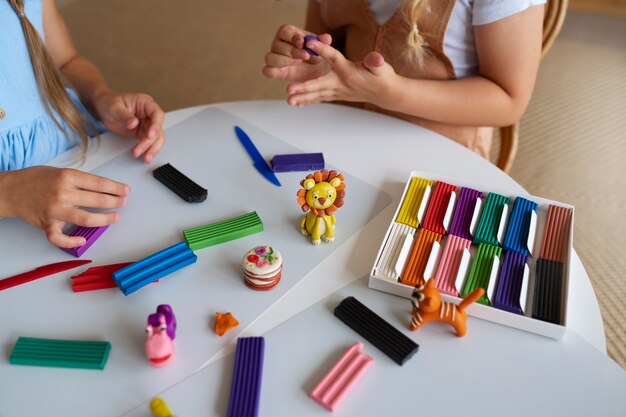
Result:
[
  {"x": 610, "y": 7},
  {"x": 183, "y": 52}
]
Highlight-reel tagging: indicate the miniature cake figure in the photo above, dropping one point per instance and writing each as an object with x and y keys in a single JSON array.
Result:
[
  {"x": 427, "y": 307},
  {"x": 161, "y": 331},
  {"x": 322, "y": 194},
  {"x": 262, "y": 267},
  {"x": 224, "y": 322}
]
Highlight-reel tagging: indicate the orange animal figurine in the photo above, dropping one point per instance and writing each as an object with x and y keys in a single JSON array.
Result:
[{"x": 427, "y": 307}]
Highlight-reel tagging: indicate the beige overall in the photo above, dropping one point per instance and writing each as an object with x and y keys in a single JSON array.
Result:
[{"x": 357, "y": 28}]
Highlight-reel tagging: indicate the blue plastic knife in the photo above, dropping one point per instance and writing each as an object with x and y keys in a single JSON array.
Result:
[{"x": 259, "y": 162}]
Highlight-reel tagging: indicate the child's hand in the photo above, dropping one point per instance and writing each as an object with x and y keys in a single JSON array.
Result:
[
  {"x": 49, "y": 197},
  {"x": 371, "y": 80},
  {"x": 133, "y": 115},
  {"x": 288, "y": 60}
]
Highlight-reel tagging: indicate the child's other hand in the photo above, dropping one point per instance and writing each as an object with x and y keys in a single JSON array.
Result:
[
  {"x": 287, "y": 59},
  {"x": 48, "y": 197},
  {"x": 371, "y": 80},
  {"x": 134, "y": 115}
]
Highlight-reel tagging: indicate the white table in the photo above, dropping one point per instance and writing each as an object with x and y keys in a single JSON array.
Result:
[
  {"x": 357, "y": 140},
  {"x": 382, "y": 151},
  {"x": 517, "y": 374}
]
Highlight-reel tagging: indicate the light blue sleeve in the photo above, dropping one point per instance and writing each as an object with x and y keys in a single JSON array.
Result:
[{"x": 489, "y": 11}]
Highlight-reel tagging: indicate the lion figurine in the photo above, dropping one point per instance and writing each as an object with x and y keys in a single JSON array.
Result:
[{"x": 322, "y": 194}]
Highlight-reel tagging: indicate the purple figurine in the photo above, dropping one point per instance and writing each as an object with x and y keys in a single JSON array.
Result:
[{"x": 161, "y": 331}]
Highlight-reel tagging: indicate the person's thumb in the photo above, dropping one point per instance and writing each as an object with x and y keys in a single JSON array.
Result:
[{"x": 374, "y": 62}]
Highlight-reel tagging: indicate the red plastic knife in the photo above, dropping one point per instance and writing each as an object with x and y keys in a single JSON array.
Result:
[{"x": 40, "y": 272}]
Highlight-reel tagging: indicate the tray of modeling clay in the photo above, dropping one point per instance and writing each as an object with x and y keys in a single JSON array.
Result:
[{"x": 465, "y": 236}]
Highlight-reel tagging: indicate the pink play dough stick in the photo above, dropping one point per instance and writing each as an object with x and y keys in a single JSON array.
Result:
[{"x": 341, "y": 377}]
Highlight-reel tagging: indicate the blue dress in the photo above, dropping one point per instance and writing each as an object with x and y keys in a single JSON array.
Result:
[{"x": 28, "y": 135}]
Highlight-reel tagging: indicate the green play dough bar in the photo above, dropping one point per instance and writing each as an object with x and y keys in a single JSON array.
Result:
[
  {"x": 60, "y": 353},
  {"x": 481, "y": 270},
  {"x": 220, "y": 232}
]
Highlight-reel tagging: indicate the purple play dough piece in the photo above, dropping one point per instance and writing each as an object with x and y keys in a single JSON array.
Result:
[
  {"x": 462, "y": 219},
  {"x": 245, "y": 391},
  {"x": 167, "y": 312},
  {"x": 91, "y": 234},
  {"x": 510, "y": 283},
  {"x": 309, "y": 38},
  {"x": 298, "y": 162}
]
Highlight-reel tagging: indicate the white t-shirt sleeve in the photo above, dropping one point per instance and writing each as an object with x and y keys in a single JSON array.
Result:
[{"x": 489, "y": 11}]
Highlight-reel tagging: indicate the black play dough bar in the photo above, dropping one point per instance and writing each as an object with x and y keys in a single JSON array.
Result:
[
  {"x": 548, "y": 291},
  {"x": 376, "y": 330},
  {"x": 178, "y": 182}
]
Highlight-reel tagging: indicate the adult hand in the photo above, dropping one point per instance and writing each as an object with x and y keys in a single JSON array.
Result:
[
  {"x": 371, "y": 80},
  {"x": 288, "y": 60},
  {"x": 48, "y": 197},
  {"x": 133, "y": 115}
]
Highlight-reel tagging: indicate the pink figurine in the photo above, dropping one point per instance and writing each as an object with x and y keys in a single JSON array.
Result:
[{"x": 161, "y": 331}]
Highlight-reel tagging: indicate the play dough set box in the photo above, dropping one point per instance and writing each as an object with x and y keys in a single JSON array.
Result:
[{"x": 464, "y": 236}]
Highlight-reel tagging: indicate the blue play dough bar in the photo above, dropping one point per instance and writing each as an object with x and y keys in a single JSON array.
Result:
[
  {"x": 245, "y": 391},
  {"x": 516, "y": 237},
  {"x": 149, "y": 269},
  {"x": 298, "y": 162}
]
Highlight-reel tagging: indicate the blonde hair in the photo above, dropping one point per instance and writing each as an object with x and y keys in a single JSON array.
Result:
[
  {"x": 50, "y": 84},
  {"x": 416, "y": 44}
]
